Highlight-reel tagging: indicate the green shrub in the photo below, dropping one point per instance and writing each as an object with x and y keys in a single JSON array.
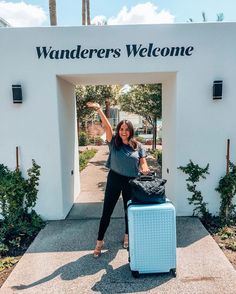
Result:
[
  {"x": 226, "y": 233},
  {"x": 195, "y": 173},
  {"x": 20, "y": 223},
  {"x": 98, "y": 141},
  {"x": 85, "y": 156},
  {"x": 157, "y": 153},
  {"x": 91, "y": 141},
  {"x": 231, "y": 246},
  {"x": 83, "y": 139},
  {"x": 227, "y": 190},
  {"x": 7, "y": 262},
  {"x": 140, "y": 139}
]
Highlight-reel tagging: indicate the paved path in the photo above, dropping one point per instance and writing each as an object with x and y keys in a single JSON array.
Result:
[
  {"x": 93, "y": 182},
  {"x": 60, "y": 258}
]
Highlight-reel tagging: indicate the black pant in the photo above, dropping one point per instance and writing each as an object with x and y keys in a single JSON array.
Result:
[{"x": 115, "y": 185}]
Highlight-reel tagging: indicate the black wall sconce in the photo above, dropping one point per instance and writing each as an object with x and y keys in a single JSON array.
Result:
[
  {"x": 17, "y": 93},
  {"x": 217, "y": 89}
]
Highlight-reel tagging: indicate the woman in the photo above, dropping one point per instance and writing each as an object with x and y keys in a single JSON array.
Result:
[{"x": 126, "y": 159}]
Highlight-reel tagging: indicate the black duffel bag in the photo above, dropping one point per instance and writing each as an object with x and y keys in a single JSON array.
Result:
[{"x": 148, "y": 189}]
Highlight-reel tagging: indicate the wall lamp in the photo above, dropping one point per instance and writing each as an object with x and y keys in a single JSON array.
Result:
[
  {"x": 217, "y": 89},
  {"x": 17, "y": 93}
]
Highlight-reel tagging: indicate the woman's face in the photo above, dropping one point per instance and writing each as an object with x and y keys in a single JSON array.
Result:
[{"x": 124, "y": 133}]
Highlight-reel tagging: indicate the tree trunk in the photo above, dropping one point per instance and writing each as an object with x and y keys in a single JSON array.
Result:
[
  {"x": 83, "y": 13},
  {"x": 154, "y": 137},
  {"x": 78, "y": 128},
  {"x": 88, "y": 11},
  {"x": 53, "y": 12},
  {"x": 107, "y": 109}
]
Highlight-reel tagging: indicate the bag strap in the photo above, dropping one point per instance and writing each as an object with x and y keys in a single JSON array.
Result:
[{"x": 149, "y": 177}]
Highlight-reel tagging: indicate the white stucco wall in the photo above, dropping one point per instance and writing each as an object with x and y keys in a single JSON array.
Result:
[
  {"x": 169, "y": 156},
  {"x": 194, "y": 126},
  {"x": 68, "y": 144}
]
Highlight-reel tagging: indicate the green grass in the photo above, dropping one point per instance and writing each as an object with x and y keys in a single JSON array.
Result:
[{"x": 85, "y": 156}]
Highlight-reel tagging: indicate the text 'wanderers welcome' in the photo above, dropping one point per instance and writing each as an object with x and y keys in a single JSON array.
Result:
[{"x": 133, "y": 50}]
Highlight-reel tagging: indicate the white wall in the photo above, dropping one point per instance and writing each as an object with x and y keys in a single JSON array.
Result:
[
  {"x": 194, "y": 126},
  {"x": 69, "y": 144},
  {"x": 204, "y": 125},
  {"x": 169, "y": 109},
  {"x": 33, "y": 126}
]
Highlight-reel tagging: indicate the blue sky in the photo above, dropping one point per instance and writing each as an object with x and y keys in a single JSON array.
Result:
[{"x": 35, "y": 12}]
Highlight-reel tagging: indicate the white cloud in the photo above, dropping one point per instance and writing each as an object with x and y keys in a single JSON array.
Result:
[
  {"x": 99, "y": 20},
  {"x": 146, "y": 13},
  {"x": 21, "y": 14}
]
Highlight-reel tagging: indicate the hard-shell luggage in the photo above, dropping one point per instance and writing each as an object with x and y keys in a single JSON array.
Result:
[{"x": 152, "y": 238}]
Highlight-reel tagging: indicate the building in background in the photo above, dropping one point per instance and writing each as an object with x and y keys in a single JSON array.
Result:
[
  {"x": 141, "y": 126},
  {"x": 136, "y": 120}
]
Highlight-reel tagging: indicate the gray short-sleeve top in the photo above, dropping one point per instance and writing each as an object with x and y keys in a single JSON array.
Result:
[{"x": 125, "y": 161}]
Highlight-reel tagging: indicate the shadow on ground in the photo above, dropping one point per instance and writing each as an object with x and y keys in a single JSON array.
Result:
[{"x": 118, "y": 280}]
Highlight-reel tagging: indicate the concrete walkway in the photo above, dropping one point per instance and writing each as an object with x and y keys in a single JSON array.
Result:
[
  {"x": 93, "y": 182},
  {"x": 60, "y": 258}
]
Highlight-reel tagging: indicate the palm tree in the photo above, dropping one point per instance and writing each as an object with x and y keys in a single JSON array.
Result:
[
  {"x": 220, "y": 17},
  {"x": 53, "y": 12},
  {"x": 88, "y": 12},
  {"x": 85, "y": 12},
  {"x": 204, "y": 19}
]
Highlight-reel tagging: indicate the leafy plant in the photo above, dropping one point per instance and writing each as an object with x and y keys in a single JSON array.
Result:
[
  {"x": 98, "y": 140},
  {"x": 140, "y": 139},
  {"x": 157, "y": 153},
  {"x": 227, "y": 190},
  {"x": 226, "y": 233},
  {"x": 18, "y": 196},
  {"x": 85, "y": 156},
  {"x": 195, "y": 173},
  {"x": 7, "y": 263},
  {"x": 231, "y": 246},
  {"x": 83, "y": 139}
]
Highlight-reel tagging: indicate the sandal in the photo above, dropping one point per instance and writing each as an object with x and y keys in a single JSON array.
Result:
[
  {"x": 126, "y": 241},
  {"x": 98, "y": 249}
]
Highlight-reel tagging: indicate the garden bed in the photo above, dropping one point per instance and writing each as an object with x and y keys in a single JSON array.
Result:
[
  {"x": 8, "y": 263},
  {"x": 226, "y": 240}
]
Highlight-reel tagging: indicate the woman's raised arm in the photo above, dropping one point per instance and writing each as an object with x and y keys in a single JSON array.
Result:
[{"x": 105, "y": 121}]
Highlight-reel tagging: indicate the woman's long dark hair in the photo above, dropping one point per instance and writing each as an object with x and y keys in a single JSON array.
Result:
[{"x": 131, "y": 140}]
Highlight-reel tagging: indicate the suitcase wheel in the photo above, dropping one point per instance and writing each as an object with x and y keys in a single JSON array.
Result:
[
  {"x": 173, "y": 272},
  {"x": 135, "y": 274}
]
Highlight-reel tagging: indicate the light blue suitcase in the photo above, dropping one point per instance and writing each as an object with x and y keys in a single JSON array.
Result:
[{"x": 152, "y": 238}]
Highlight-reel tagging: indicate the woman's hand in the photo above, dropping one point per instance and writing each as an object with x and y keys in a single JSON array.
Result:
[
  {"x": 144, "y": 169},
  {"x": 93, "y": 105},
  {"x": 105, "y": 122}
]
